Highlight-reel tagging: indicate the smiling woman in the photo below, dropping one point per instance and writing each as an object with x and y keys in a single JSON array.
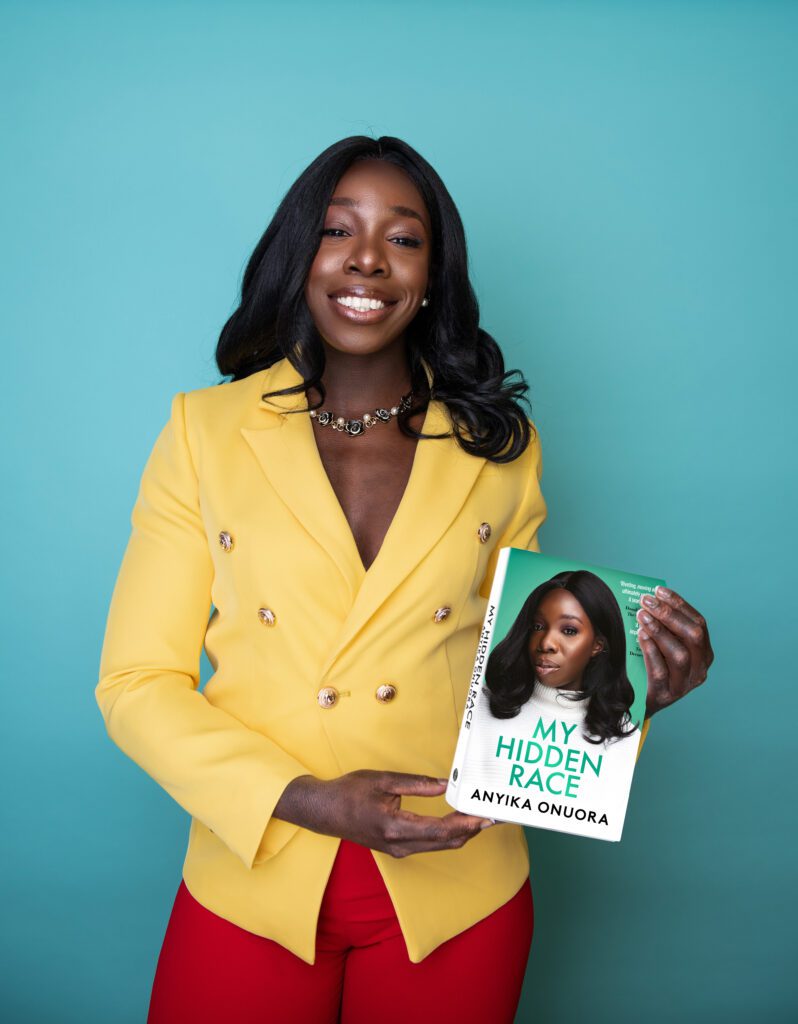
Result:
[
  {"x": 371, "y": 219},
  {"x": 372, "y": 226},
  {"x": 339, "y": 505}
]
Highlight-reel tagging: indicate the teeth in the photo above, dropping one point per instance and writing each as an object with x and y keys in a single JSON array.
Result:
[{"x": 362, "y": 304}]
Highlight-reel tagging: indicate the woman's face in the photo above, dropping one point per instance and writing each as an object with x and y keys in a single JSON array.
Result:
[
  {"x": 375, "y": 246},
  {"x": 562, "y": 641}
]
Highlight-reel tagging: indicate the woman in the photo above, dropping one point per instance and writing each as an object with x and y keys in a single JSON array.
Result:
[
  {"x": 337, "y": 507},
  {"x": 568, "y": 636}
]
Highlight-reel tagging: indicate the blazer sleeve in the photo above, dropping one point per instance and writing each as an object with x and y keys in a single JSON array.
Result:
[{"x": 221, "y": 772}]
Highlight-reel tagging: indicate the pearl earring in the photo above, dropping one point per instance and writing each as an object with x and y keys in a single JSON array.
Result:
[{"x": 425, "y": 301}]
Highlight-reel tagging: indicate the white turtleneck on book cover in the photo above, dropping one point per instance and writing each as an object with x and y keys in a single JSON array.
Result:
[{"x": 556, "y": 703}]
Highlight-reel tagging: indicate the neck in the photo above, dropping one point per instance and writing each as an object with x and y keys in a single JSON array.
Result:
[{"x": 354, "y": 384}]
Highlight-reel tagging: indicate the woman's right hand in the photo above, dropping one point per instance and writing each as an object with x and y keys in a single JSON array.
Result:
[{"x": 365, "y": 807}]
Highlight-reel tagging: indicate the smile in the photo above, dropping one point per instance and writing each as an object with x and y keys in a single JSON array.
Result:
[
  {"x": 361, "y": 310},
  {"x": 356, "y": 303}
]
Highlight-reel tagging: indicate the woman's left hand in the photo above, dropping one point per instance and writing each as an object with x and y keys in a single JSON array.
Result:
[{"x": 675, "y": 643}]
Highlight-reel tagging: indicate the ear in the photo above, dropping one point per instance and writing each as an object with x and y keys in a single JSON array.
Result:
[{"x": 599, "y": 646}]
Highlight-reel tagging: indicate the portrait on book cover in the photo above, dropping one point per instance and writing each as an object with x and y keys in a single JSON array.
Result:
[{"x": 566, "y": 649}]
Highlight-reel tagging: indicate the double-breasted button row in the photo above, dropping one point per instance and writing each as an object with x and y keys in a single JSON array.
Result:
[
  {"x": 328, "y": 696},
  {"x": 226, "y": 539},
  {"x": 268, "y": 618}
]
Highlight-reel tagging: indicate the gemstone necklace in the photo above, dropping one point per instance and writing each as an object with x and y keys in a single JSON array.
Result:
[{"x": 368, "y": 419}]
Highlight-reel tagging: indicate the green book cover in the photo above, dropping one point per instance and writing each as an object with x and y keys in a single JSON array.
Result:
[{"x": 551, "y": 726}]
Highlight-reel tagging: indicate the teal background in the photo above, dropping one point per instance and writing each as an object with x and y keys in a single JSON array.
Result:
[
  {"x": 528, "y": 569},
  {"x": 626, "y": 174}
]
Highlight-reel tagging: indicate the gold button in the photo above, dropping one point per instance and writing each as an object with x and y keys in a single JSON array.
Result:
[
  {"x": 267, "y": 616},
  {"x": 484, "y": 532},
  {"x": 226, "y": 541},
  {"x": 327, "y": 696},
  {"x": 442, "y": 613},
  {"x": 385, "y": 693}
]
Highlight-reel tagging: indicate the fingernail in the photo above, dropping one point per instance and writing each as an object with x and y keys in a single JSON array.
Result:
[
  {"x": 487, "y": 823},
  {"x": 443, "y": 782},
  {"x": 645, "y": 617},
  {"x": 642, "y": 635},
  {"x": 662, "y": 592},
  {"x": 650, "y": 601}
]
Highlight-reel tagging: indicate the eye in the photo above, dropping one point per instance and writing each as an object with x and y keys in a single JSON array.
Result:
[
  {"x": 334, "y": 232},
  {"x": 536, "y": 627},
  {"x": 570, "y": 631},
  {"x": 408, "y": 243}
]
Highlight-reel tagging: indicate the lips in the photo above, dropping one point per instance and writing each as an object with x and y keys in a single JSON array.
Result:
[{"x": 545, "y": 667}]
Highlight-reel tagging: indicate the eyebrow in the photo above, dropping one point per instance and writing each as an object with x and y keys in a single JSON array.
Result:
[{"x": 405, "y": 211}]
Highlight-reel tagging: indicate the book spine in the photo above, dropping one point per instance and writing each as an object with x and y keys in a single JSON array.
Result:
[{"x": 475, "y": 687}]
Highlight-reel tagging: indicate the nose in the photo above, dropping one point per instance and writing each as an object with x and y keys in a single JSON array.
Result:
[
  {"x": 366, "y": 257},
  {"x": 546, "y": 642}
]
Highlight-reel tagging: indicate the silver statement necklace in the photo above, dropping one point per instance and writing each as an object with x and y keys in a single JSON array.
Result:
[{"x": 354, "y": 427}]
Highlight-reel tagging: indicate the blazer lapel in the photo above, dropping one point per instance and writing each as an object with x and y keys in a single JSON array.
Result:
[
  {"x": 286, "y": 450},
  {"x": 441, "y": 479}
]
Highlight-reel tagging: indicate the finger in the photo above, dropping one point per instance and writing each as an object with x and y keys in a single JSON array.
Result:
[
  {"x": 676, "y": 621},
  {"x": 435, "y": 837},
  {"x": 413, "y": 833},
  {"x": 683, "y": 646},
  {"x": 459, "y": 823},
  {"x": 413, "y": 846},
  {"x": 656, "y": 669},
  {"x": 676, "y": 655},
  {"x": 678, "y": 602},
  {"x": 450, "y": 826},
  {"x": 405, "y": 784}
]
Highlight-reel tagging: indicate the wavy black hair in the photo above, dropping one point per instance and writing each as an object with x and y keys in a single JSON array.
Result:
[
  {"x": 273, "y": 321},
  {"x": 510, "y": 672}
]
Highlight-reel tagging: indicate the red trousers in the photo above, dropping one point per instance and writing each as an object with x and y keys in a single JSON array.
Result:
[{"x": 210, "y": 970}]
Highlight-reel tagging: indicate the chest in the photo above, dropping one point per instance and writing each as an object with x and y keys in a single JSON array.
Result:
[
  {"x": 369, "y": 475},
  {"x": 300, "y": 542}
]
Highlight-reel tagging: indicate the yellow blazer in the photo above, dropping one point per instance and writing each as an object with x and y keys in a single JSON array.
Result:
[{"x": 239, "y": 542}]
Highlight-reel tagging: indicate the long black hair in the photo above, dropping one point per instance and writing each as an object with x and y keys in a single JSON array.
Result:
[
  {"x": 273, "y": 321},
  {"x": 510, "y": 672}
]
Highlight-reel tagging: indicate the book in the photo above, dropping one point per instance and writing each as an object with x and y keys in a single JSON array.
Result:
[{"x": 557, "y": 698}]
